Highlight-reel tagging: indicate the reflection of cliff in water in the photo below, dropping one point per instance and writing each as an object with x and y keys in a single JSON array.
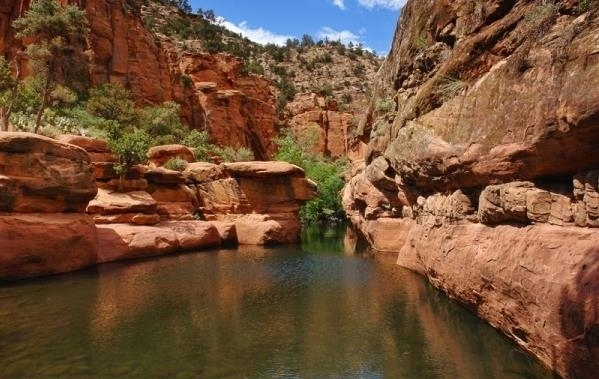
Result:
[
  {"x": 253, "y": 312},
  {"x": 579, "y": 318}
]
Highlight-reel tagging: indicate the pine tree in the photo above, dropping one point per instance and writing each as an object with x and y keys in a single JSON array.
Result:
[{"x": 57, "y": 51}]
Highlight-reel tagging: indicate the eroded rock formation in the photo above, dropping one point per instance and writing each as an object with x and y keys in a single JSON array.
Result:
[
  {"x": 481, "y": 166},
  {"x": 45, "y": 186}
]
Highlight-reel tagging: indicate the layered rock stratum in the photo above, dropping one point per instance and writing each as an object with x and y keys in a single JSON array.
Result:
[
  {"x": 481, "y": 169},
  {"x": 60, "y": 209}
]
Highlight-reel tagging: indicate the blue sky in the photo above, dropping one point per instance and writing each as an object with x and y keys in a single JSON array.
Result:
[{"x": 370, "y": 22}]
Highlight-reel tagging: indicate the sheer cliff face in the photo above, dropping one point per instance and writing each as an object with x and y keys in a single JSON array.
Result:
[
  {"x": 488, "y": 91},
  {"x": 155, "y": 70},
  {"x": 482, "y": 154}
]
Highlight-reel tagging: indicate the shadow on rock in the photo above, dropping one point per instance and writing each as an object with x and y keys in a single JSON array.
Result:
[{"x": 579, "y": 320}]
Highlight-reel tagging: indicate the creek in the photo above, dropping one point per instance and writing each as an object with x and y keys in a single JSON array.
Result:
[{"x": 315, "y": 310}]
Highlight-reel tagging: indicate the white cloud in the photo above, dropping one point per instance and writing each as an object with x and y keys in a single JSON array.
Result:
[
  {"x": 345, "y": 36},
  {"x": 339, "y": 3},
  {"x": 389, "y": 4},
  {"x": 258, "y": 35}
]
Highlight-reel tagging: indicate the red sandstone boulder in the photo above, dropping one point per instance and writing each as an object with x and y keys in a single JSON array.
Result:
[
  {"x": 122, "y": 241},
  {"x": 42, "y": 244},
  {"x": 89, "y": 144},
  {"x": 194, "y": 235},
  {"x": 257, "y": 229},
  {"x": 40, "y": 174},
  {"x": 111, "y": 203},
  {"x": 159, "y": 155},
  {"x": 200, "y": 172},
  {"x": 262, "y": 169},
  {"x": 161, "y": 175}
]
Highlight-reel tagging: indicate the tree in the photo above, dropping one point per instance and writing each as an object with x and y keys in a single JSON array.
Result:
[
  {"x": 56, "y": 56},
  {"x": 9, "y": 87},
  {"x": 131, "y": 148},
  {"x": 112, "y": 102}
]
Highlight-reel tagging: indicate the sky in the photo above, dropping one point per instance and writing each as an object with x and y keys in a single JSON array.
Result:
[{"x": 369, "y": 22}]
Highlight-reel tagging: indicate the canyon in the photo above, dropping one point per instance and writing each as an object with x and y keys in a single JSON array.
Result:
[
  {"x": 475, "y": 163},
  {"x": 481, "y": 167}
]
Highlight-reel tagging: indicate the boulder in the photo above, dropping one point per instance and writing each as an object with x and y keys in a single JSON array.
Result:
[
  {"x": 123, "y": 241},
  {"x": 41, "y": 244},
  {"x": 40, "y": 174},
  {"x": 194, "y": 235},
  {"x": 112, "y": 203},
  {"x": 262, "y": 169},
  {"x": 161, "y": 175},
  {"x": 260, "y": 229},
  {"x": 89, "y": 144},
  {"x": 201, "y": 172}
]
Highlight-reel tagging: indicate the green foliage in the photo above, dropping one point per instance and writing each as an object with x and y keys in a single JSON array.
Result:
[
  {"x": 112, "y": 102},
  {"x": 56, "y": 56},
  {"x": 287, "y": 93},
  {"x": 420, "y": 41},
  {"x": 253, "y": 67},
  {"x": 324, "y": 90},
  {"x": 451, "y": 86},
  {"x": 327, "y": 174},
  {"x": 130, "y": 148},
  {"x": 384, "y": 105},
  {"x": 230, "y": 154},
  {"x": 176, "y": 164},
  {"x": 163, "y": 123},
  {"x": 200, "y": 143},
  {"x": 9, "y": 86}
]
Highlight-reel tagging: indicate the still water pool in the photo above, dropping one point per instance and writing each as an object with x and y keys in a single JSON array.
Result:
[{"x": 309, "y": 311}]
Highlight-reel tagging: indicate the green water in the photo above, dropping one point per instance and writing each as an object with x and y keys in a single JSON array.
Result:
[{"x": 311, "y": 311}]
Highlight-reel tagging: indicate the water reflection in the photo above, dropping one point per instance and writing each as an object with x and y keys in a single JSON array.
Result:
[{"x": 309, "y": 311}]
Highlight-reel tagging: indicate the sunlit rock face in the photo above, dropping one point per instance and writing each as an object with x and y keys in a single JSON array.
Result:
[
  {"x": 45, "y": 186},
  {"x": 216, "y": 96},
  {"x": 481, "y": 169}
]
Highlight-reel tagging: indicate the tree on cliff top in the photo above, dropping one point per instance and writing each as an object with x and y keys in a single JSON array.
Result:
[{"x": 56, "y": 55}]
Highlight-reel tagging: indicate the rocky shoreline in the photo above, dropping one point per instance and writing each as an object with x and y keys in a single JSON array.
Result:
[{"x": 60, "y": 210}]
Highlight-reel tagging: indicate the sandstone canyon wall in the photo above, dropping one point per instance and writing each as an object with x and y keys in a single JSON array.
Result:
[
  {"x": 236, "y": 109},
  {"x": 481, "y": 169}
]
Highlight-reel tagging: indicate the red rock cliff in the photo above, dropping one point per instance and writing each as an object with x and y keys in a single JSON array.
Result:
[
  {"x": 480, "y": 171},
  {"x": 237, "y": 110}
]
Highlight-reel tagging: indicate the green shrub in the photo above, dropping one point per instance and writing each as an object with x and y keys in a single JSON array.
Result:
[
  {"x": 176, "y": 164},
  {"x": 327, "y": 174},
  {"x": 384, "y": 105},
  {"x": 163, "y": 123},
  {"x": 230, "y": 154},
  {"x": 200, "y": 143},
  {"x": 130, "y": 148}
]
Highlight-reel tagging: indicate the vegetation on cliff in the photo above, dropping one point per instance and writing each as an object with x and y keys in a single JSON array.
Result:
[{"x": 326, "y": 172}]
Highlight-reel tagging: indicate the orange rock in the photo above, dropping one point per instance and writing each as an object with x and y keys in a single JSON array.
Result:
[
  {"x": 256, "y": 229},
  {"x": 89, "y": 144},
  {"x": 110, "y": 203},
  {"x": 159, "y": 155},
  {"x": 161, "y": 175},
  {"x": 40, "y": 174},
  {"x": 123, "y": 241},
  {"x": 127, "y": 218},
  {"x": 194, "y": 235},
  {"x": 41, "y": 244}
]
